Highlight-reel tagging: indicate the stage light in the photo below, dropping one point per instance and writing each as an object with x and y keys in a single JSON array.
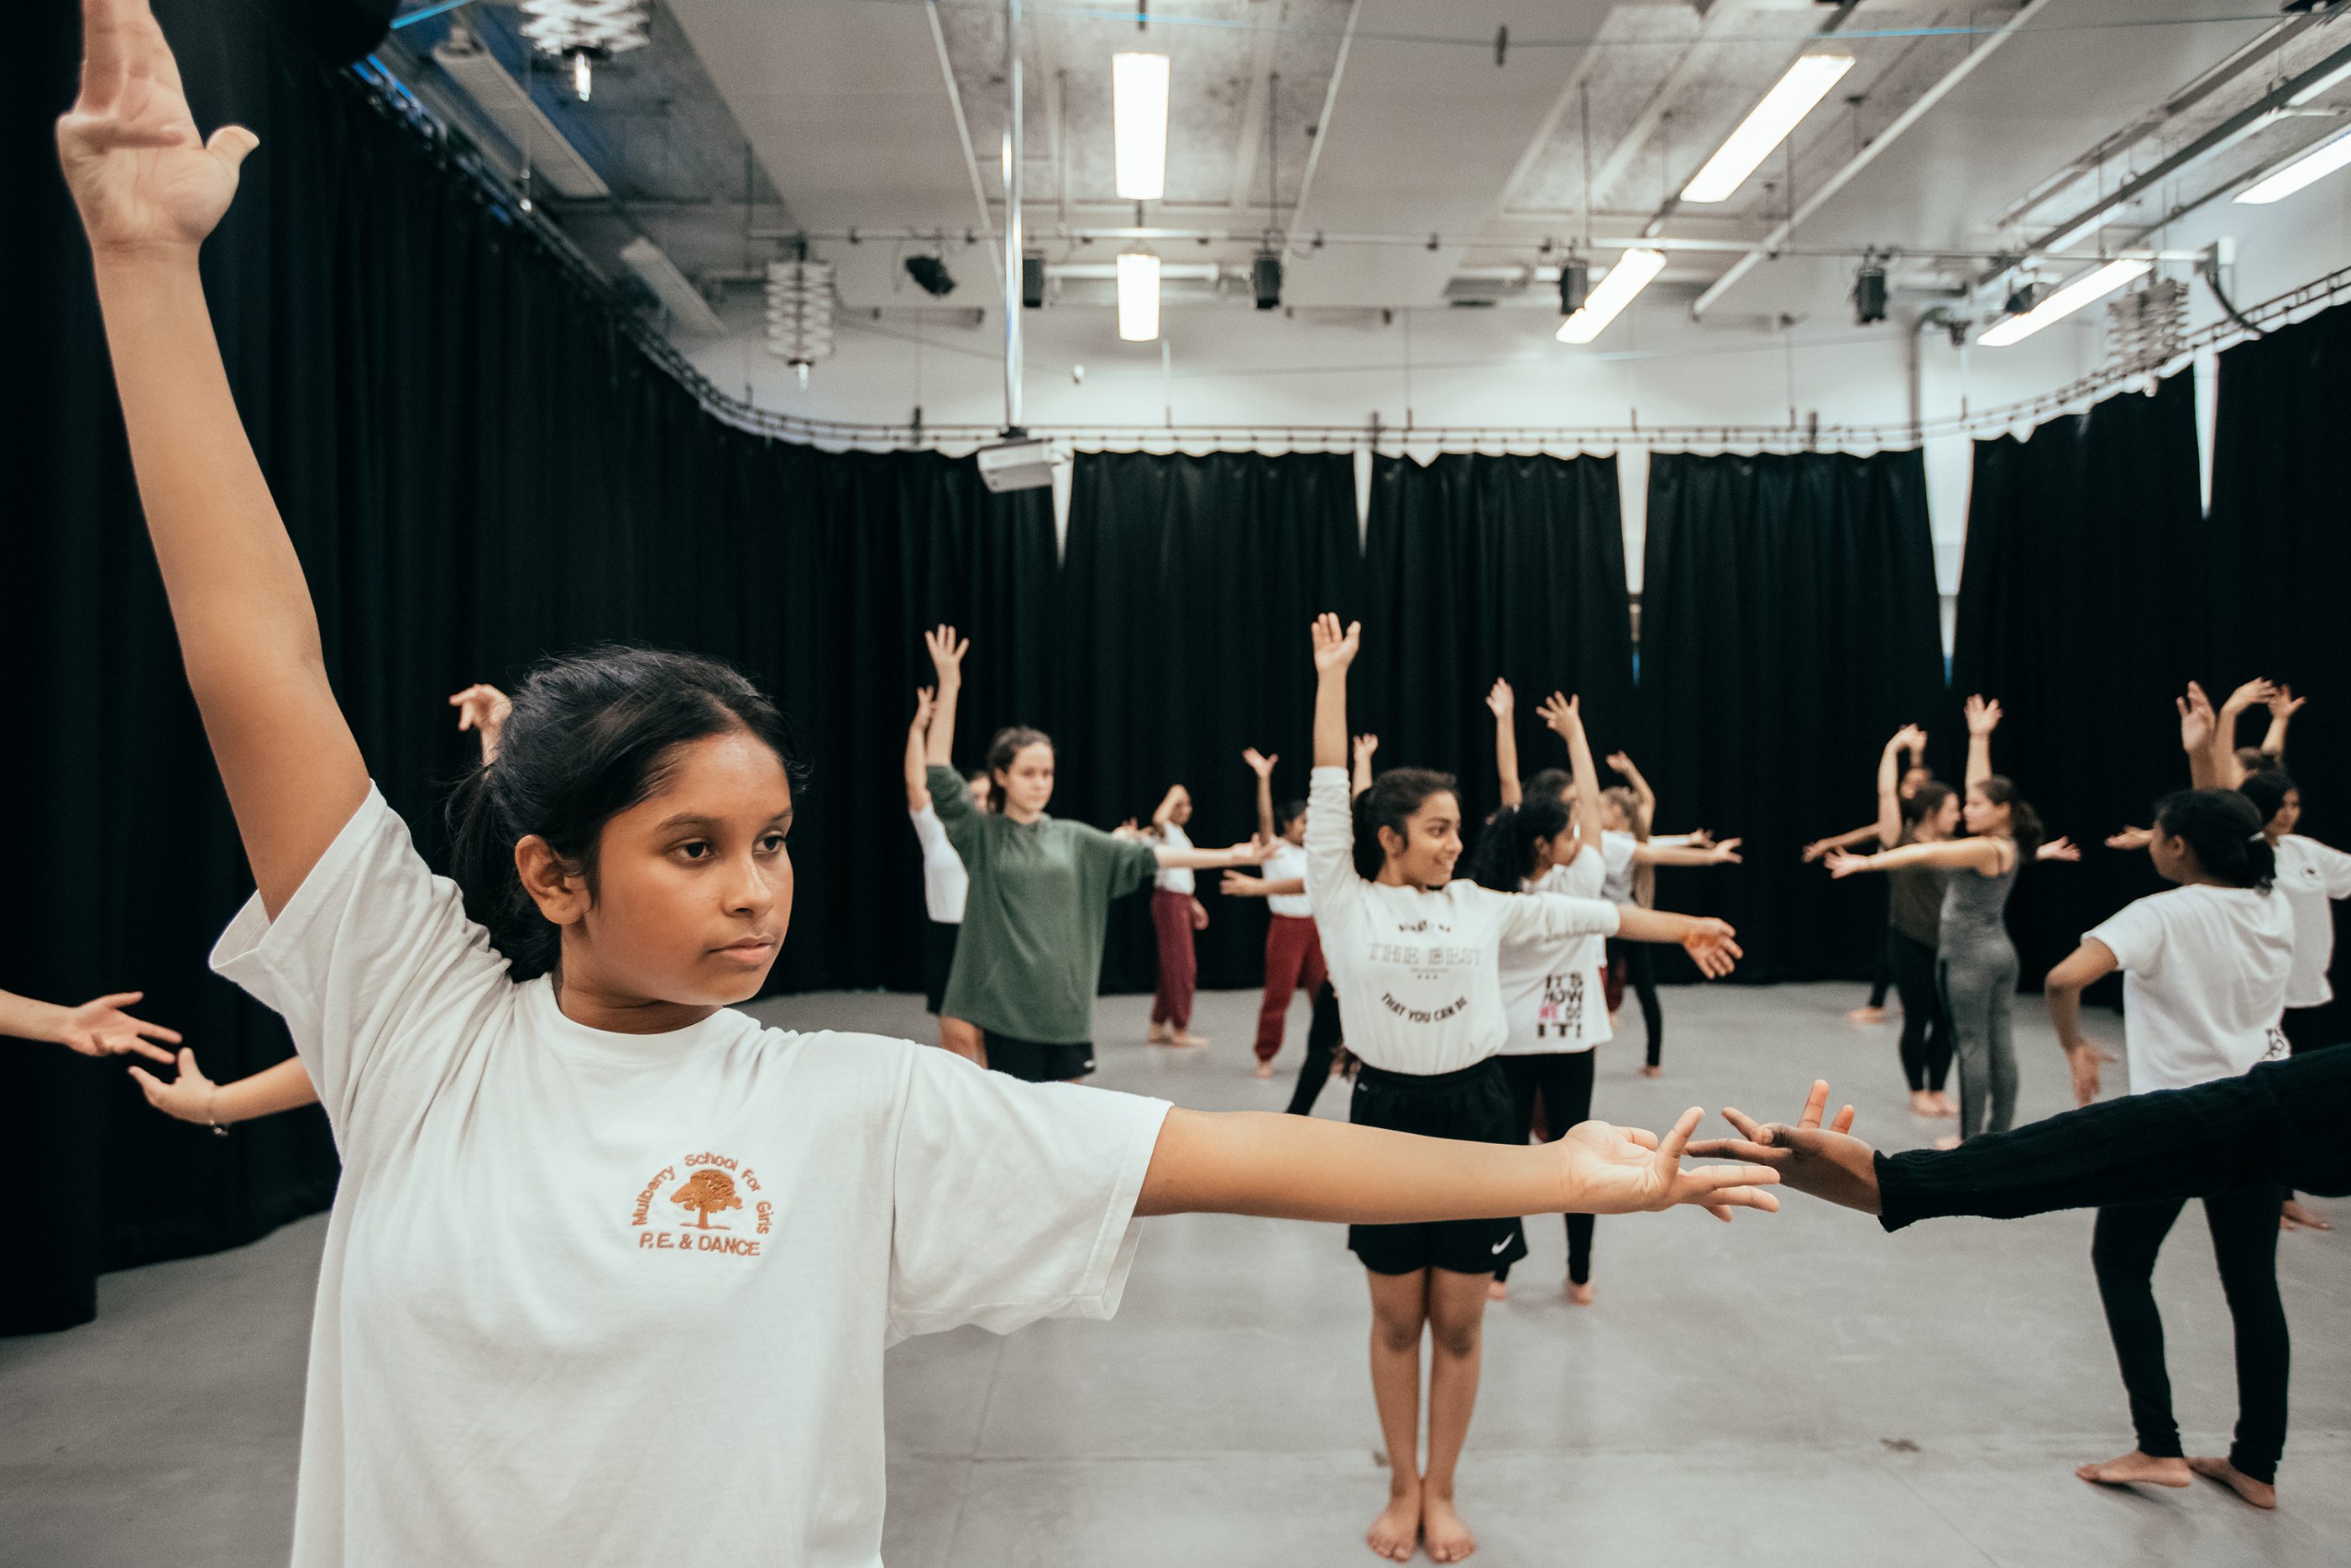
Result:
[
  {"x": 580, "y": 81},
  {"x": 1574, "y": 285},
  {"x": 1766, "y": 126},
  {"x": 1265, "y": 277},
  {"x": 1628, "y": 277},
  {"x": 2091, "y": 286},
  {"x": 2315, "y": 164},
  {"x": 931, "y": 272},
  {"x": 1138, "y": 295},
  {"x": 1869, "y": 293},
  {"x": 1139, "y": 125},
  {"x": 1032, "y": 280}
]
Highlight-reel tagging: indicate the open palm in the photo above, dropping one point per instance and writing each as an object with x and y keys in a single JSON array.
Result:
[
  {"x": 141, "y": 175},
  {"x": 1609, "y": 1169}
]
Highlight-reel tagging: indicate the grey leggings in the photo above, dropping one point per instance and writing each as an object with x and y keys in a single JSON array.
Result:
[{"x": 1979, "y": 986}]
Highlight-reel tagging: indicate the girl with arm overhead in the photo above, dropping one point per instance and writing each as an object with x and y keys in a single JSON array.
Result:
[
  {"x": 1627, "y": 813},
  {"x": 1914, "y": 911},
  {"x": 1293, "y": 957},
  {"x": 946, "y": 884}
]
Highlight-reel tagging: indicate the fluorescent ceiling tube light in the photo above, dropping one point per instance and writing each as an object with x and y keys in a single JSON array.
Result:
[
  {"x": 1138, "y": 103},
  {"x": 2083, "y": 290},
  {"x": 2322, "y": 85},
  {"x": 1766, "y": 126},
  {"x": 1138, "y": 296},
  {"x": 2316, "y": 164},
  {"x": 1611, "y": 295}
]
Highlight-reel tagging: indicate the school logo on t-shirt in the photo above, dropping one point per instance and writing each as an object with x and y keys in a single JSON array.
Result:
[
  {"x": 716, "y": 1208},
  {"x": 1560, "y": 1014}
]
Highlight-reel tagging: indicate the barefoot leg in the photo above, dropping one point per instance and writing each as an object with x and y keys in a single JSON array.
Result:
[
  {"x": 2260, "y": 1494},
  {"x": 1399, "y": 1312},
  {"x": 2134, "y": 1469},
  {"x": 1457, "y": 1315}
]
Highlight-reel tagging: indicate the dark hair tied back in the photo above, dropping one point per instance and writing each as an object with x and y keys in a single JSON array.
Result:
[
  {"x": 592, "y": 735},
  {"x": 1505, "y": 855},
  {"x": 2224, "y": 831},
  {"x": 2267, "y": 790},
  {"x": 2023, "y": 822},
  {"x": 1396, "y": 794}
]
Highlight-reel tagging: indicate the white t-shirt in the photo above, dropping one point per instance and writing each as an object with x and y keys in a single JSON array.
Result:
[
  {"x": 1551, "y": 990},
  {"x": 946, "y": 884},
  {"x": 1287, "y": 861},
  {"x": 591, "y": 1297},
  {"x": 1169, "y": 880},
  {"x": 1417, "y": 973},
  {"x": 2312, "y": 876},
  {"x": 2204, "y": 978},
  {"x": 1616, "y": 850}
]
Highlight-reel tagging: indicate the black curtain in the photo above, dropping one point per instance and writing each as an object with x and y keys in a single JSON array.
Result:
[
  {"x": 2283, "y": 553},
  {"x": 2084, "y": 609},
  {"x": 1788, "y": 625},
  {"x": 477, "y": 466},
  {"x": 1189, "y": 583},
  {"x": 1477, "y": 566}
]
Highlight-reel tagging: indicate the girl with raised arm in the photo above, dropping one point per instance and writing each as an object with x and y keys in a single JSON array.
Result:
[
  {"x": 1627, "y": 813},
  {"x": 1928, "y": 814},
  {"x": 1910, "y": 776},
  {"x": 1293, "y": 957},
  {"x": 1551, "y": 988},
  {"x": 1415, "y": 957},
  {"x": 1975, "y": 962},
  {"x": 946, "y": 884}
]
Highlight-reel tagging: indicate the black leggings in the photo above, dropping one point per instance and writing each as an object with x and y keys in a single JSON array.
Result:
[
  {"x": 1884, "y": 980},
  {"x": 2244, "y": 1227},
  {"x": 1321, "y": 1048},
  {"x": 1640, "y": 970},
  {"x": 1563, "y": 1080},
  {"x": 1926, "y": 1026}
]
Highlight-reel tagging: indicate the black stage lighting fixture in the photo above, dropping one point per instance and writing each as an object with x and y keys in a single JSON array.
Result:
[
  {"x": 931, "y": 274},
  {"x": 1265, "y": 276},
  {"x": 1869, "y": 293},
  {"x": 2026, "y": 295},
  {"x": 1032, "y": 280},
  {"x": 1574, "y": 283}
]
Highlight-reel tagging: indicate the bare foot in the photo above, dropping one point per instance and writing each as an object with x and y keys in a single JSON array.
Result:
[
  {"x": 2294, "y": 1214},
  {"x": 1396, "y": 1534},
  {"x": 1264, "y": 1069},
  {"x": 1156, "y": 1035},
  {"x": 1448, "y": 1538},
  {"x": 1865, "y": 1015},
  {"x": 1653, "y": 1071},
  {"x": 2260, "y": 1494},
  {"x": 1579, "y": 1294},
  {"x": 2134, "y": 1469},
  {"x": 1949, "y": 1140},
  {"x": 1922, "y": 1104},
  {"x": 1497, "y": 1290},
  {"x": 1186, "y": 1039},
  {"x": 1945, "y": 1105}
]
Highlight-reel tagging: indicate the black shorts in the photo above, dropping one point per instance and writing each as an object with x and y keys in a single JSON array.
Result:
[
  {"x": 939, "y": 962},
  {"x": 1038, "y": 1061},
  {"x": 1472, "y": 1105}
]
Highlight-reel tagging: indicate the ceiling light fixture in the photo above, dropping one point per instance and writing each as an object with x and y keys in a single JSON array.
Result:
[
  {"x": 799, "y": 314},
  {"x": 1611, "y": 295},
  {"x": 1766, "y": 126},
  {"x": 931, "y": 272},
  {"x": 1138, "y": 87},
  {"x": 1265, "y": 279},
  {"x": 1138, "y": 296},
  {"x": 584, "y": 30},
  {"x": 2091, "y": 286},
  {"x": 1574, "y": 285},
  {"x": 2314, "y": 165}
]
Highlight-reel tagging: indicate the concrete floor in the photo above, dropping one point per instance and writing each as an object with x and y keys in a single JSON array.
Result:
[{"x": 1796, "y": 1389}]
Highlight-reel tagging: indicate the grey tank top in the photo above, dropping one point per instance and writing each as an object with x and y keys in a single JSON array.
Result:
[{"x": 1973, "y": 909}]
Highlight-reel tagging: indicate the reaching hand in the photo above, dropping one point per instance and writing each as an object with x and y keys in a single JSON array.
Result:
[
  {"x": 1700, "y": 838},
  {"x": 100, "y": 1027},
  {"x": 2059, "y": 848},
  {"x": 1818, "y": 847},
  {"x": 946, "y": 650},
  {"x": 1711, "y": 944},
  {"x": 1621, "y": 762},
  {"x": 1908, "y": 738},
  {"x": 2131, "y": 838},
  {"x": 1827, "y": 1163},
  {"x": 1366, "y": 747},
  {"x": 1983, "y": 717},
  {"x": 2256, "y": 692},
  {"x": 1843, "y": 862},
  {"x": 188, "y": 1097},
  {"x": 1235, "y": 885},
  {"x": 2284, "y": 704},
  {"x": 1253, "y": 851},
  {"x": 2083, "y": 1056},
  {"x": 1334, "y": 646},
  {"x": 1500, "y": 701},
  {"x": 925, "y": 703},
  {"x": 1609, "y": 1169},
  {"x": 1562, "y": 715},
  {"x": 144, "y": 180},
  {"x": 2197, "y": 723},
  {"x": 1723, "y": 854},
  {"x": 1129, "y": 831},
  {"x": 482, "y": 707},
  {"x": 1259, "y": 764}
]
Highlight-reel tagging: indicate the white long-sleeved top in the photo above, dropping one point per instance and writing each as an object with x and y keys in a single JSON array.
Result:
[{"x": 1417, "y": 973}]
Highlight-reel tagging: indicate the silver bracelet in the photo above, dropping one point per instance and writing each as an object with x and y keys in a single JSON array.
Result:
[{"x": 211, "y": 1102}]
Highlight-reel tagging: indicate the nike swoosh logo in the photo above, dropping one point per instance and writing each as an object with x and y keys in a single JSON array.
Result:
[{"x": 1499, "y": 1245}]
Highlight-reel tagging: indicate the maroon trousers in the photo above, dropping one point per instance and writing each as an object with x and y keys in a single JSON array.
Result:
[
  {"x": 1179, "y": 967},
  {"x": 1293, "y": 962}
]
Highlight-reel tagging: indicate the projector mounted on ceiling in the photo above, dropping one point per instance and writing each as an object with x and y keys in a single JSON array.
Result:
[{"x": 1020, "y": 461}]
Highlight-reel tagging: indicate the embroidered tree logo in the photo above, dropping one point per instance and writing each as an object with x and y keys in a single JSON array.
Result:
[{"x": 710, "y": 1192}]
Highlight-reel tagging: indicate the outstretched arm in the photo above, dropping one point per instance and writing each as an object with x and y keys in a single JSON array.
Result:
[
  {"x": 1564, "y": 717},
  {"x": 1366, "y": 748},
  {"x": 1335, "y": 649},
  {"x": 1984, "y": 855},
  {"x": 1983, "y": 718},
  {"x": 1643, "y": 796},
  {"x": 150, "y": 189},
  {"x": 2283, "y": 706},
  {"x": 96, "y": 1028},
  {"x": 192, "y": 1098},
  {"x": 1653, "y": 853},
  {"x": 1262, "y": 766},
  {"x": 1503, "y": 705},
  {"x": 918, "y": 733},
  {"x": 1819, "y": 847},
  {"x": 1302, "y": 1167},
  {"x": 2210, "y": 758},
  {"x": 946, "y": 650}
]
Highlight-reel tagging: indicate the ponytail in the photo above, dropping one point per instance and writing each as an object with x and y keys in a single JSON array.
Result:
[
  {"x": 2023, "y": 822},
  {"x": 2223, "y": 830},
  {"x": 1506, "y": 851}
]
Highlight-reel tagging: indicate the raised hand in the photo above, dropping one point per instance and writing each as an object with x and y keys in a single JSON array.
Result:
[
  {"x": 926, "y": 705},
  {"x": 2083, "y": 1058},
  {"x": 1334, "y": 645},
  {"x": 144, "y": 180},
  {"x": 2131, "y": 838},
  {"x": 1366, "y": 747},
  {"x": 1712, "y": 945},
  {"x": 2254, "y": 693},
  {"x": 1843, "y": 862},
  {"x": 2283, "y": 704},
  {"x": 100, "y": 1027},
  {"x": 2197, "y": 723},
  {"x": 1699, "y": 838},
  {"x": 946, "y": 650},
  {"x": 1908, "y": 738},
  {"x": 1609, "y": 1169},
  {"x": 1621, "y": 762},
  {"x": 1258, "y": 763},
  {"x": 2060, "y": 848},
  {"x": 1828, "y": 1163},
  {"x": 1562, "y": 714},
  {"x": 1499, "y": 700},
  {"x": 1983, "y": 717},
  {"x": 188, "y": 1097}
]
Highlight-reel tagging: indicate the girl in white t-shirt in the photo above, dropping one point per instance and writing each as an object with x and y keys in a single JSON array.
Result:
[
  {"x": 589, "y": 1212},
  {"x": 945, "y": 883},
  {"x": 2205, "y": 969},
  {"x": 1175, "y": 913}
]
